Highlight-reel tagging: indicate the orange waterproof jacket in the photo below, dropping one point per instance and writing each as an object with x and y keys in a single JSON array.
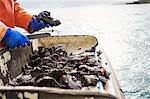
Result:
[{"x": 11, "y": 14}]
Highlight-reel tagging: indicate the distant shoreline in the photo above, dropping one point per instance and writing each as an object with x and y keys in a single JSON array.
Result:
[{"x": 139, "y": 2}]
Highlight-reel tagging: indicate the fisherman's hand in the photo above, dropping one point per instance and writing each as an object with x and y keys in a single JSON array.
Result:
[
  {"x": 37, "y": 25},
  {"x": 41, "y": 21},
  {"x": 14, "y": 38}
]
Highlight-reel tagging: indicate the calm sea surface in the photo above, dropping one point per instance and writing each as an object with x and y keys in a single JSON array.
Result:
[{"x": 122, "y": 30}]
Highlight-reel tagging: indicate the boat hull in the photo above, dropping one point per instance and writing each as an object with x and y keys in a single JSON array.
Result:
[{"x": 18, "y": 57}]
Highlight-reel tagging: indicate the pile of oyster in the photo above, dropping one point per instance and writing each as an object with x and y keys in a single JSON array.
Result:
[{"x": 54, "y": 67}]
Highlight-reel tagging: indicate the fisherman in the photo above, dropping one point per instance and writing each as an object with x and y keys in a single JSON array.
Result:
[{"x": 11, "y": 14}]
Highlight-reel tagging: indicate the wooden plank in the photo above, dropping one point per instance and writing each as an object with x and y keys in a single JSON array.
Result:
[
  {"x": 55, "y": 93},
  {"x": 11, "y": 62}
]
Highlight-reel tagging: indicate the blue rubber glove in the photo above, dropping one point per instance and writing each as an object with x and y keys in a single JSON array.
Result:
[
  {"x": 14, "y": 38},
  {"x": 38, "y": 25}
]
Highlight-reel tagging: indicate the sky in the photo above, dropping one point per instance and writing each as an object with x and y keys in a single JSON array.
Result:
[
  {"x": 85, "y": 0},
  {"x": 62, "y": 3}
]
